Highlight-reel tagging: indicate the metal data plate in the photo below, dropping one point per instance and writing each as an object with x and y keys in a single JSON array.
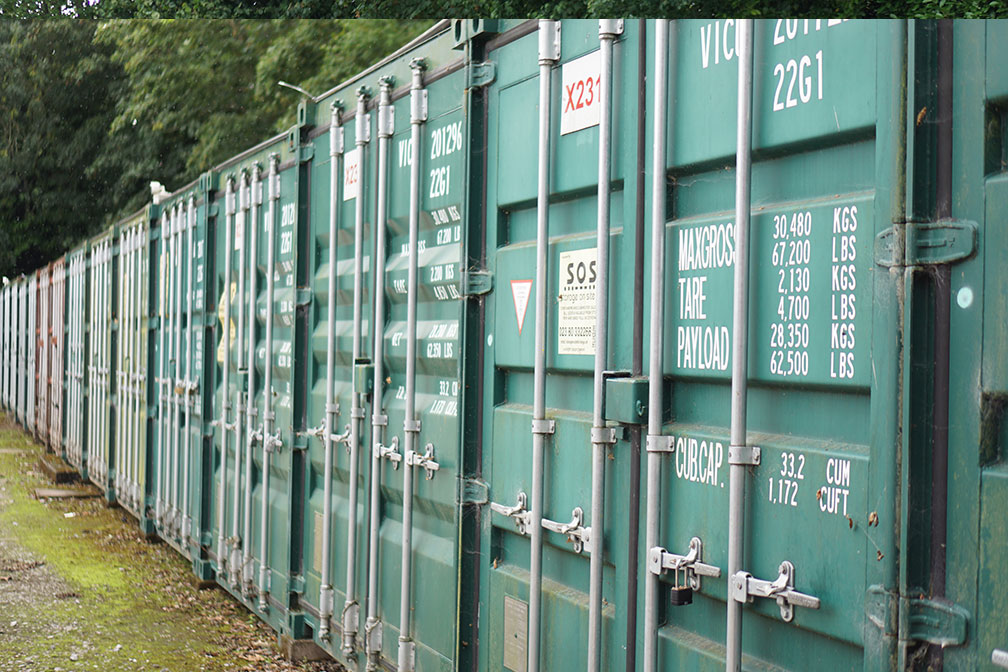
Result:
[{"x": 515, "y": 634}]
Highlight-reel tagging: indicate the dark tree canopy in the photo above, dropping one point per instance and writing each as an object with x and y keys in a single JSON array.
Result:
[{"x": 92, "y": 111}]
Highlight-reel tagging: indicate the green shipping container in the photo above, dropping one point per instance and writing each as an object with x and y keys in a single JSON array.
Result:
[
  {"x": 249, "y": 524},
  {"x": 429, "y": 393}
]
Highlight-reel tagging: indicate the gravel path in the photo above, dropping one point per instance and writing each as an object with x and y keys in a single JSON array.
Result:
[{"x": 81, "y": 590}]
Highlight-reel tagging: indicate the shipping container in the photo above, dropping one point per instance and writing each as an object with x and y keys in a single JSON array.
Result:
[
  {"x": 756, "y": 420},
  {"x": 253, "y": 524},
  {"x": 100, "y": 373},
  {"x": 181, "y": 426},
  {"x": 43, "y": 287},
  {"x": 57, "y": 364},
  {"x": 22, "y": 358},
  {"x": 7, "y": 325},
  {"x": 76, "y": 356},
  {"x": 30, "y": 336},
  {"x": 132, "y": 283}
]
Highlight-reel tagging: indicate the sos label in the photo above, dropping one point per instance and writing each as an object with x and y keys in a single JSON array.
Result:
[
  {"x": 576, "y": 302},
  {"x": 580, "y": 104}
]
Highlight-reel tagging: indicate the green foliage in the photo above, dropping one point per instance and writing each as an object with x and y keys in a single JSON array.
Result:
[
  {"x": 54, "y": 91},
  {"x": 92, "y": 112}
]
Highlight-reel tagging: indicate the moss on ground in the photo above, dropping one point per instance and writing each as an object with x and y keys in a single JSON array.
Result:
[{"x": 128, "y": 604}]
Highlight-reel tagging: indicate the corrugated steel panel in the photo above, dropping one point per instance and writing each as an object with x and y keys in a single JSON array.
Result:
[
  {"x": 41, "y": 429},
  {"x": 131, "y": 365},
  {"x": 874, "y": 295},
  {"x": 57, "y": 340},
  {"x": 76, "y": 371},
  {"x": 31, "y": 350},
  {"x": 256, "y": 567},
  {"x": 100, "y": 366}
]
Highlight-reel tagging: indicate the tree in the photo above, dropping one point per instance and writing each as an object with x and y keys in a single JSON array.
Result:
[{"x": 55, "y": 97}]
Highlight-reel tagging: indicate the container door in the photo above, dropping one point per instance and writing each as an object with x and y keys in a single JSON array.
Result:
[
  {"x": 58, "y": 363},
  {"x": 339, "y": 327},
  {"x": 22, "y": 311},
  {"x": 7, "y": 324},
  {"x": 75, "y": 358},
  {"x": 99, "y": 434},
  {"x": 230, "y": 242},
  {"x": 571, "y": 273},
  {"x": 30, "y": 336},
  {"x": 821, "y": 498},
  {"x": 199, "y": 321},
  {"x": 433, "y": 556},
  {"x": 42, "y": 357},
  {"x": 819, "y": 503},
  {"x": 131, "y": 366},
  {"x": 976, "y": 563},
  {"x": 270, "y": 387}
]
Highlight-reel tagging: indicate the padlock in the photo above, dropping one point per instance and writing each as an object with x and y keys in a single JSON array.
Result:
[{"x": 680, "y": 595}]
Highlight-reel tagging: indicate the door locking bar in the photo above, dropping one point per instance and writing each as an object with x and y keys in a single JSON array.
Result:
[
  {"x": 519, "y": 512},
  {"x": 576, "y": 533},
  {"x": 743, "y": 588},
  {"x": 425, "y": 461},
  {"x": 660, "y": 560},
  {"x": 389, "y": 452}
]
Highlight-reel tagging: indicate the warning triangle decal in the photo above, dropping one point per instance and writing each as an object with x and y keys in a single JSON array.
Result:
[{"x": 521, "y": 290}]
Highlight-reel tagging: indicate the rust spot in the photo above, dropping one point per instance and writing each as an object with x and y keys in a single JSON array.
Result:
[
  {"x": 495, "y": 563},
  {"x": 880, "y": 554},
  {"x": 818, "y": 494},
  {"x": 850, "y": 522},
  {"x": 921, "y": 115},
  {"x": 388, "y": 380},
  {"x": 873, "y": 519}
]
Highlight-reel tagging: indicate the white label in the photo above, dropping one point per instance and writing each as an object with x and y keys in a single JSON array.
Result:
[
  {"x": 520, "y": 292},
  {"x": 576, "y": 305},
  {"x": 351, "y": 174},
  {"x": 580, "y": 93}
]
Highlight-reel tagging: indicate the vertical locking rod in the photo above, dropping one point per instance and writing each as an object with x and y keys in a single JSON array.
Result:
[
  {"x": 335, "y": 165},
  {"x": 269, "y": 441},
  {"x": 250, "y": 376},
  {"x": 608, "y": 30},
  {"x": 740, "y": 337},
  {"x": 242, "y": 232},
  {"x": 121, "y": 372},
  {"x": 176, "y": 522},
  {"x": 386, "y": 125},
  {"x": 173, "y": 358},
  {"x": 656, "y": 342},
  {"x": 351, "y": 609},
  {"x": 187, "y": 389},
  {"x": 549, "y": 54},
  {"x": 135, "y": 367},
  {"x": 162, "y": 426},
  {"x": 169, "y": 284},
  {"x": 229, "y": 220},
  {"x": 131, "y": 287},
  {"x": 418, "y": 115}
]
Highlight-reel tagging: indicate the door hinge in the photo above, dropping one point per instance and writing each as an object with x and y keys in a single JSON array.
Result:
[
  {"x": 482, "y": 74},
  {"x": 944, "y": 242},
  {"x": 475, "y": 491},
  {"x": 306, "y": 153},
  {"x": 477, "y": 282},
  {"x": 936, "y": 622},
  {"x": 302, "y": 296},
  {"x": 881, "y": 607}
]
